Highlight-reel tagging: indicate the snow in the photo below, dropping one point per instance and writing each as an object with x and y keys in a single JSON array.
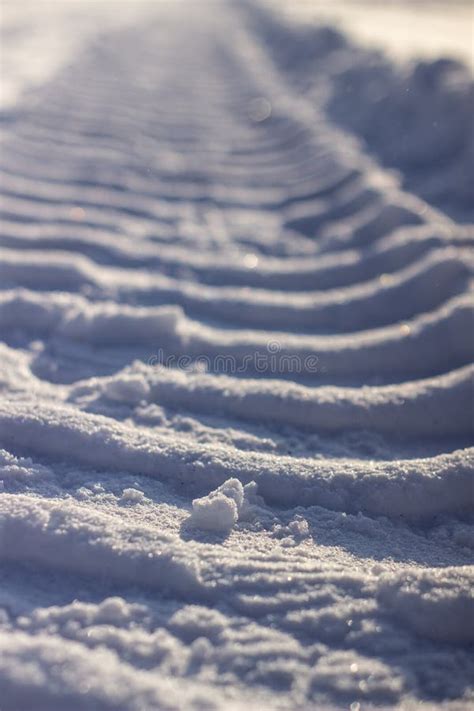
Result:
[
  {"x": 404, "y": 29},
  {"x": 220, "y": 509},
  {"x": 133, "y": 496},
  {"x": 215, "y": 512},
  {"x": 236, "y": 361}
]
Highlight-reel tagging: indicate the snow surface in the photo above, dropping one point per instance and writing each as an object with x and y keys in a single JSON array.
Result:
[
  {"x": 236, "y": 364},
  {"x": 402, "y": 28}
]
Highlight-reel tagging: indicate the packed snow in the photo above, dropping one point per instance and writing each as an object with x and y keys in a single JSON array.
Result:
[{"x": 236, "y": 363}]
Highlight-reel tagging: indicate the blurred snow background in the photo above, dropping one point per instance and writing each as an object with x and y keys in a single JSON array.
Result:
[
  {"x": 405, "y": 29},
  {"x": 37, "y": 36}
]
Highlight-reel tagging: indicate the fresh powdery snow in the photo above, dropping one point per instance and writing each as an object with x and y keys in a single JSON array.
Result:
[{"x": 236, "y": 364}]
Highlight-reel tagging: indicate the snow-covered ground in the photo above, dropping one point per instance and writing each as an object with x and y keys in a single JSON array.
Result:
[
  {"x": 403, "y": 28},
  {"x": 236, "y": 374}
]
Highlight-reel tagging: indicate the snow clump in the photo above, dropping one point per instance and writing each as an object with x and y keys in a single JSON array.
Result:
[{"x": 219, "y": 511}]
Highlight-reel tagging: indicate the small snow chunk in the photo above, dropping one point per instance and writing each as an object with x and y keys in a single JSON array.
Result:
[
  {"x": 132, "y": 496},
  {"x": 221, "y": 508},
  {"x": 299, "y": 527},
  {"x": 215, "y": 512}
]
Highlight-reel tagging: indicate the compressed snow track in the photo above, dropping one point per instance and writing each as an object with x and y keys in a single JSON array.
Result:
[{"x": 236, "y": 421}]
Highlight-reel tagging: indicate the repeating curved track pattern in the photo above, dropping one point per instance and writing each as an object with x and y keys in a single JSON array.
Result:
[{"x": 205, "y": 283}]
